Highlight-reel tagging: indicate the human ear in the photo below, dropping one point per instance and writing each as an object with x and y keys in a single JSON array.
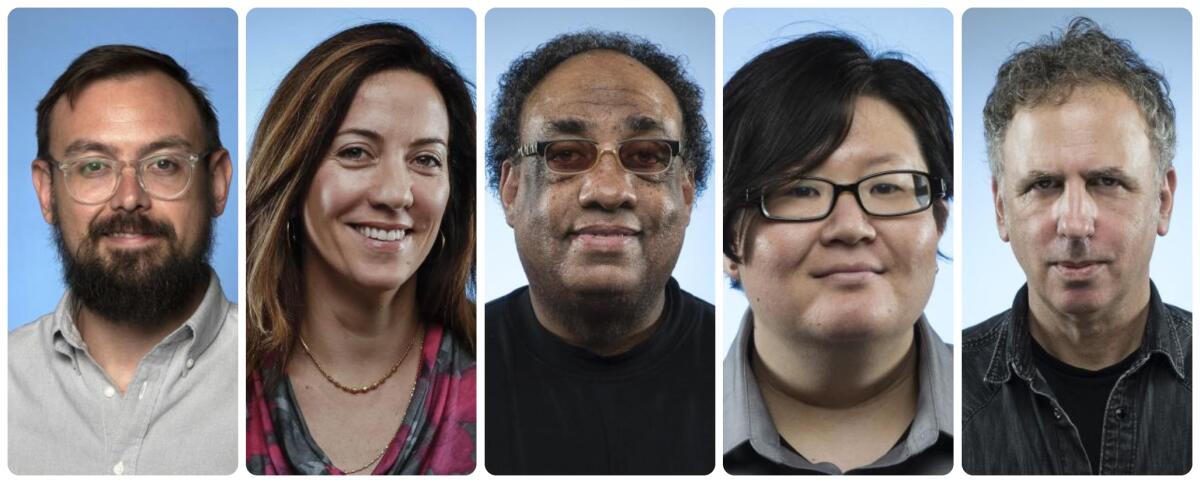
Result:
[
  {"x": 43, "y": 185},
  {"x": 1166, "y": 201},
  {"x": 510, "y": 185},
  {"x": 220, "y": 173},
  {"x": 998, "y": 200}
]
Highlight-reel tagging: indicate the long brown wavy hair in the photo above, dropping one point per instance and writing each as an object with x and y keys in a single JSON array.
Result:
[{"x": 292, "y": 137}]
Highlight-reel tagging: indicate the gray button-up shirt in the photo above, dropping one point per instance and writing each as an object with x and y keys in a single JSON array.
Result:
[
  {"x": 753, "y": 445},
  {"x": 177, "y": 416}
]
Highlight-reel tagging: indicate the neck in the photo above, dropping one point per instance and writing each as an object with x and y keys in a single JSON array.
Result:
[
  {"x": 348, "y": 327},
  {"x": 118, "y": 347},
  {"x": 844, "y": 403},
  {"x": 841, "y": 375},
  {"x": 1094, "y": 340},
  {"x": 605, "y": 325}
]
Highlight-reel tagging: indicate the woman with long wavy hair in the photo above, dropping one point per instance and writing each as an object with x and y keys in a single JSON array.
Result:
[{"x": 360, "y": 334}]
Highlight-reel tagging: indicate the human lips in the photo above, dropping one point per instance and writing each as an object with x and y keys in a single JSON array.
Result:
[
  {"x": 130, "y": 231},
  {"x": 603, "y": 236},
  {"x": 1077, "y": 269},
  {"x": 385, "y": 236},
  {"x": 847, "y": 273},
  {"x": 129, "y": 239}
]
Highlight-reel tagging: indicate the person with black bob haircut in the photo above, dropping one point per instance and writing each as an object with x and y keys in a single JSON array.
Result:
[{"x": 835, "y": 368}]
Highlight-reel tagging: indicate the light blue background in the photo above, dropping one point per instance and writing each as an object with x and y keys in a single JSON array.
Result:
[
  {"x": 41, "y": 44},
  {"x": 276, "y": 39},
  {"x": 682, "y": 32},
  {"x": 923, "y": 36},
  {"x": 991, "y": 275}
]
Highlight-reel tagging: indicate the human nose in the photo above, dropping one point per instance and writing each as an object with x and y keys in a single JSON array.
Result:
[
  {"x": 847, "y": 222},
  {"x": 128, "y": 194},
  {"x": 608, "y": 185},
  {"x": 392, "y": 185},
  {"x": 1075, "y": 212}
]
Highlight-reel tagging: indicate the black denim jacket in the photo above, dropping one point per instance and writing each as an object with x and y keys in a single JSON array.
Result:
[{"x": 1013, "y": 424}]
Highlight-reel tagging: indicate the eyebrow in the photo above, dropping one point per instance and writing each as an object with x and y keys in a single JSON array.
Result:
[
  {"x": 643, "y": 124},
  {"x": 378, "y": 138},
  {"x": 572, "y": 126},
  {"x": 1037, "y": 174},
  {"x": 366, "y": 133},
  {"x": 428, "y": 141},
  {"x": 88, "y": 145}
]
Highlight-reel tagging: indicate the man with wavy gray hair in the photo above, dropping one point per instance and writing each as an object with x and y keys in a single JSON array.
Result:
[{"x": 1089, "y": 372}]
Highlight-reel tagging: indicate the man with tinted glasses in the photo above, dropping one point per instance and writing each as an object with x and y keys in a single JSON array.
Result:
[
  {"x": 1089, "y": 372},
  {"x": 135, "y": 370},
  {"x": 602, "y": 365}
]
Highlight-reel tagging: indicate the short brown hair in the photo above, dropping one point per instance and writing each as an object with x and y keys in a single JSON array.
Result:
[{"x": 117, "y": 61}]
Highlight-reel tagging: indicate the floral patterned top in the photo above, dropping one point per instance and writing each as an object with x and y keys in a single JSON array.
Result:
[{"x": 437, "y": 435}]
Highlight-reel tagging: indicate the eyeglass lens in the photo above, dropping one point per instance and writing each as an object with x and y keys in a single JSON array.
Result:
[
  {"x": 882, "y": 195},
  {"x": 95, "y": 180},
  {"x": 637, "y": 156}
]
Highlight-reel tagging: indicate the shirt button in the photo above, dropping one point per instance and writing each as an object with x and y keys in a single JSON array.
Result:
[
  {"x": 110, "y": 392},
  {"x": 190, "y": 363},
  {"x": 119, "y": 468},
  {"x": 1057, "y": 414},
  {"x": 1120, "y": 413}
]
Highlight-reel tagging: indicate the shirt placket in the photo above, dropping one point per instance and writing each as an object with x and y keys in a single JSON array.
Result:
[
  {"x": 1068, "y": 453},
  {"x": 135, "y": 410},
  {"x": 1118, "y": 451}
]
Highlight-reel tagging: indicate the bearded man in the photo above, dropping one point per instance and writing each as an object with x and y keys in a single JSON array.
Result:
[{"x": 135, "y": 371}]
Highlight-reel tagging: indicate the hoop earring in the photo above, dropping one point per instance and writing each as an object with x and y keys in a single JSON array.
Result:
[
  {"x": 442, "y": 240},
  {"x": 291, "y": 235}
]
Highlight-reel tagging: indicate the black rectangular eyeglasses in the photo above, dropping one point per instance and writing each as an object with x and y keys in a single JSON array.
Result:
[{"x": 887, "y": 193}]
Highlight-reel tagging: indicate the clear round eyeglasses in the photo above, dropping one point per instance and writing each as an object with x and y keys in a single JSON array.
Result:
[
  {"x": 94, "y": 180},
  {"x": 887, "y": 193}
]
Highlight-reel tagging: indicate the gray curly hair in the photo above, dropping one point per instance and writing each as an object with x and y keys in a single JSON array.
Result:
[{"x": 1082, "y": 54}]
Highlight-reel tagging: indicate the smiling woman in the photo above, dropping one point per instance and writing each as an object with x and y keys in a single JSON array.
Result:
[{"x": 361, "y": 231}]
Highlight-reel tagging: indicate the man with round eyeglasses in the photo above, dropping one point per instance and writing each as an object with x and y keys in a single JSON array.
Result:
[
  {"x": 602, "y": 364},
  {"x": 135, "y": 371}
]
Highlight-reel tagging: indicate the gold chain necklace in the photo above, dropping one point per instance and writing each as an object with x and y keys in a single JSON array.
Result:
[
  {"x": 360, "y": 389},
  {"x": 419, "y": 342}
]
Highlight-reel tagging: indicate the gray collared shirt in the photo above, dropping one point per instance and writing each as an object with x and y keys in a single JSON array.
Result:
[
  {"x": 177, "y": 416},
  {"x": 753, "y": 445}
]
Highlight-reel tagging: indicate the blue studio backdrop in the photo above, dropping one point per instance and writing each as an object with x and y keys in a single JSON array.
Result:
[{"x": 41, "y": 44}]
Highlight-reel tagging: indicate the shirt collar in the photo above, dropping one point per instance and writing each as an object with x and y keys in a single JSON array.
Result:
[
  {"x": 202, "y": 326},
  {"x": 747, "y": 418},
  {"x": 1013, "y": 349}
]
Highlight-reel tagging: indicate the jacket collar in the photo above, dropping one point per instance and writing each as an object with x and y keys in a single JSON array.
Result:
[{"x": 1013, "y": 351}]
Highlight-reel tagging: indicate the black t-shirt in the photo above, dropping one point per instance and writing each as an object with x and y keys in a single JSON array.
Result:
[
  {"x": 553, "y": 408},
  {"x": 1083, "y": 394}
]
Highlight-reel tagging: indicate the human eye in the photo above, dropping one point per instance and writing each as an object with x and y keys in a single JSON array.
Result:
[
  {"x": 802, "y": 192},
  {"x": 426, "y": 163},
  {"x": 1043, "y": 184},
  {"x": 1108, "y": 182},
  {"x": 354, "y": 155},
  {"x": 91, "y": 168},
  {"x": 885, "y": 188},
  {"x": 164, "y": 165},
  {"x": 570, "y": 156}
]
